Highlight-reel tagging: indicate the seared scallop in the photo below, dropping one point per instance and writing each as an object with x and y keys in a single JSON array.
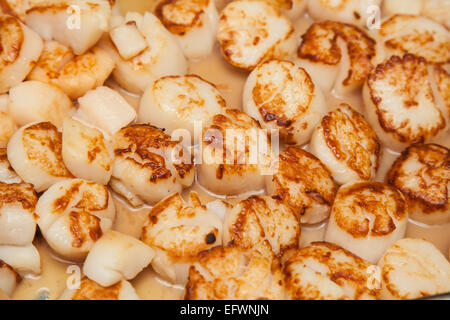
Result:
[
  {"x": 236, "y": 154},
  {"x": 35, "y": 101},
  {"x": 106, "y": 109},
  {"x": 303, "y": 183},
  {"x": 7, "y": 127},
  {"x": 422, "y": 174},
  {"x": 78, "y": 24},
  {"x": 338, "y": 56},
  {"x": 25, "y": 260},
  {"x": 7, "y": 174},
  {"x": 178, "y": 102},
  {"x": 17, "y": 214},
  {"x": 179, "y": 231},
  {"x": 413, "y": 268},
  {"x": 75, "y": 75},
  {"x": 293, "y": 9},
  {"x": 90, "y": 290},
  {"x": 149, "y": 164},
  {"x": 442, "y": 92},
  {"x": 326, "y": 271},
  {"x": 143, "y": 51},
  {"x": 416, "y": 35},
  {"x": 34, "y": 152},
  {"x": 366, "y": 218},
  {"x": 347, "y": 145},
  {"x": 230, "y": 272},
  {"x": 259, "y": 218},
  {"x": 8, "y": 278},
  {"x": 251, "y": 32},
  {"x": 400, "y": 105},
  {"x": 116, "y": 256},
  {"x": 350, "y": 11},
  {"x": 21, "y": 48},
  {"x": 73, "y": 215},
  {"x": 282, "y": 96},
  {"x": 85, "y": 152},
  {"x": 192, "y": 22}
]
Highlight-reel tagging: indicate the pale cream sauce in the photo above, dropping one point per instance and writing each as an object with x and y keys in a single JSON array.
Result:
[{"x": 230, "y": 82}]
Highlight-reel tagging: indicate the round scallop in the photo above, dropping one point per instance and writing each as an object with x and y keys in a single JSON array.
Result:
[
  {"x": 356, "y": 12},
  {"x": 400, "y": 105},
  {"x": 422, "y": 174},
  {"x": 262, "y": 218},
  {"x": 78, "y": 24},
  {"x": 338, "y": 56},
  {"x": 116, "y": 256},
  {"x": 8, "y": 278},
  {"x": 21, "y": 48},
  {"x": 326, "y": 271},
  {"x": 303, "y": 183},
  {"x": 232, "y": 273},
  {"x": 35, "y": 101},
  {"x": 413, "y": 268},
  {"x": 178, "y": 102},
  {"x": 34, "y": 152},
  {"x": 438, "y": 10},
  {"x": 25, "y": 260},
  {"x": 251, "y": 32},
  {"x": 282, "y": 96},
  {"x": 416, "y": 35},
  {"x": 347, "y": 145},
  {"x": 156, "y": 52},
  {"x": 149, "y": 164},
  {"x": 17, "y": 214},
  {"x": 236, "y": 154},
  {"x": 73, "y": 215},
  {"x": 366, "y": 218},
  {"x": 90, "y": 290},
  {"x": 179, "y": 231},
  {"x": 75, "y": 75},
  {"x": 85, "y": 152},
  {"x": 192, "y": 22},
  {"x": 293, "y": 9}
]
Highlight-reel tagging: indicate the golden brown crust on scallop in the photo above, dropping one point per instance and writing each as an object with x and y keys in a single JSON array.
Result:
[
  {"x": 442, "y": 79},
  {"x": 18, "y": 193},
  {"x": 320, "y": 45},
  {"x": 426, "y": 183},
  {"x": 11, "y": 40},
  {"x": 90, "y": 290},
  {"x": 135, "y": 143},
  {"x": 84, "y": 227},
  {"x": 343, "y": 131},
  {"x": 302, "y": 180},
  {"x": 353, "y": 203},
  {"x": 45, "y": 135},
  {"x": 180, "y": 16},
  {"x": 260, "y": 218},
  {"x": 408, "y": 77},
  {"x": 342, "y": 267}
]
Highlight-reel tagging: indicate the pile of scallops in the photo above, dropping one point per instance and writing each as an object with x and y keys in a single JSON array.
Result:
[{"x": 71, "y": 141}]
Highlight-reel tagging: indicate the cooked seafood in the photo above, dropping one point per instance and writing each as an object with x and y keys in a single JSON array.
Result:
[
  {"x": 34, "y": 152},
  {"x": 304, "y": 183},
  {"x": 35, "y": 101},
  {"x": 325, "y": 271},
  {"x": 8, "y": 278},
  {"x": 366, "y": 218},
  {"x": 422, "y": 174},
  {"x": 73, "y": 215},
  {"x": 178, "y": 102},
  {"x": 24, "y": 260},
  {"x": 400, "y": 104},
  {"x": 251, "y": 32},
  {"x": 7, "y": 174},
  {"x": 85, "y": 152},
  {"x": 149, "y": 164},
  {"x": 413, "y": 268},
  {"x": 90, "y": 290},
  {"x": 179, "y": 231},
  {"x": 116, "y": 256},
  {"x": 338, "y": 56},
  {"x": 282, "y": 96},
  {"x": 347, "y": 145}
]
